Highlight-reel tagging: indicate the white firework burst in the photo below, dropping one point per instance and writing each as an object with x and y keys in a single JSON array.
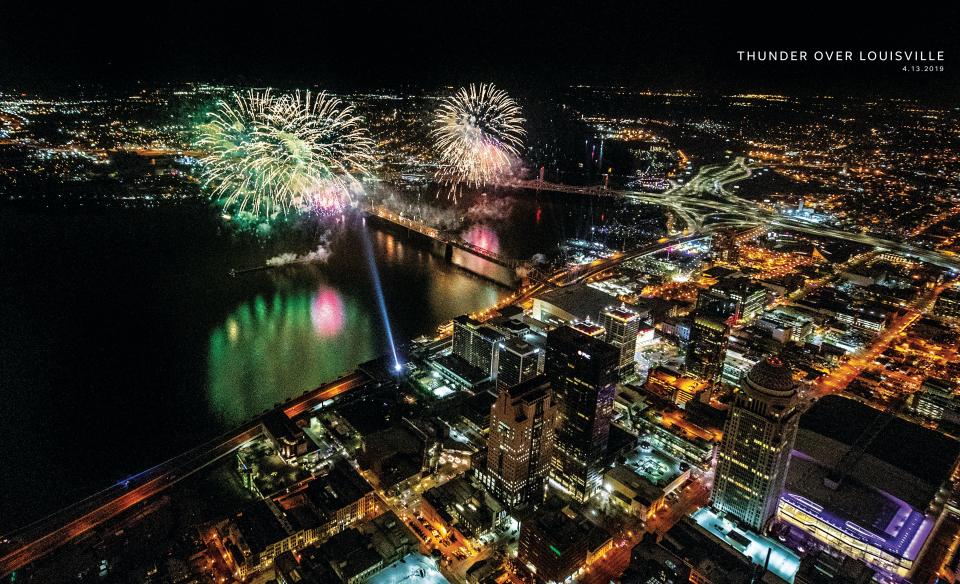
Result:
[{"x": 477, "y": 134}]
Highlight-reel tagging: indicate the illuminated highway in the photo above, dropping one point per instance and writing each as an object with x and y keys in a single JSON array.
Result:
[
  {"x": 60, "y": 528},
  {"x": 38, "y": 539},
  {"x": 326, "y": 392},
  {"x": 706, "y": 194}
]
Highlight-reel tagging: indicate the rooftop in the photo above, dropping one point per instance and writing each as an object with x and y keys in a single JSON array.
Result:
[
  {"x": 529, "y": 391},
  {"x": 588, "y": 328},
  {"x": 525, "y": 345},
  {"x": 621, "y": 313},
  {"x": 342, "y": 486},
  {"x": 783, "y": 562},
  {"x": 563, "y": 529},
  {"x": 772, "y": 375},
  {"x": 917, "y": 451},
  {"x": 874, "y": 518},
  {"x": 657, "y": 467},
  {"x": 580, "y": 300},
  {"x": 259, "y": 526},
  {"x": 646, "y": 491},
  {"x": 413, "y": 568}
]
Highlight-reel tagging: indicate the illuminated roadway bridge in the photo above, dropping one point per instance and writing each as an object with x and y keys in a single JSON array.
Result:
[
  {"x": 443, "y": 237},
  {"x": 34, "y": 541}
]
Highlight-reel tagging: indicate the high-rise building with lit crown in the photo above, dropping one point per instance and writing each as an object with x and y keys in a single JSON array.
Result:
[
  {"x": 521, "y": 442},
  {"x": 757, "y": 439},
  {"x": 589, "y": 328},
  {"x": 583, "y": 372},
  {"x": 622, "y": 326}
]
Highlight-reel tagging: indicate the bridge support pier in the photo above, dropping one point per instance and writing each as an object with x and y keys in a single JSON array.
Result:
[{"x": 441, "y": 249}]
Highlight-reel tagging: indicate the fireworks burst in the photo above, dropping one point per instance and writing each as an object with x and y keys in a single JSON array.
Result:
[
  {"x": 267, "y": 154},
  {"x": 478, "y": 135}
]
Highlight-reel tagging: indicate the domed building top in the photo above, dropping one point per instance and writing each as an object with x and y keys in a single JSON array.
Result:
[{"x": 772, "y": 377}]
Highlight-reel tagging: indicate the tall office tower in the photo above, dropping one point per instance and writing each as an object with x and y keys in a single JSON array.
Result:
[
  {"x": 622, "y": 326},
  {"x": 733, "y": 299},
  {"x": 707, "y": 349},
  {"x": 717, "y": 308},
  {"x": 519, "y": 361},
  {"x": 583, "y": 372},
  {"x": 477, "y": 344},
  {"x": 521, "y": 442},
  {"x": 757, "y": 438}
]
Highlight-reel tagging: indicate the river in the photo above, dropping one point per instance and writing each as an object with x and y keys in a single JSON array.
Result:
[{"x": 125, "y": 340}]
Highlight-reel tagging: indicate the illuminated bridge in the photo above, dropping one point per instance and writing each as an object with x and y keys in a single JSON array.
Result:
[
  {"x": 445, "y": 238},
  {"x": 544, "y": 185}
]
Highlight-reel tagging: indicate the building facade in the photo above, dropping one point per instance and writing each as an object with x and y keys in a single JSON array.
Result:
[
  {"x": 757, "y": 439},
  {"x": 708, "y": 347},
  {"x": 557, "y": 543},
  {"x": 520, "y": 443},
  {"x": 519, "y": 361},
  {"x": 477, "y": 344},
  {"x": 583, "y": 373},
  {"x": 734, "y": 298},
  {"x": 622, "y": 326}
]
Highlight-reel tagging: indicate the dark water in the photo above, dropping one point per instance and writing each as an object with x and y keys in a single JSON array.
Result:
[{"x": 124, "y": 340}]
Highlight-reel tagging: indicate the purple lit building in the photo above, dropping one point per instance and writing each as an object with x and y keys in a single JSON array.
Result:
[{"x": 867, "y": 483}]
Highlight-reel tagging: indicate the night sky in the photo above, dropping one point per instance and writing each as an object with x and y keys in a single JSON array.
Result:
[{"x": 386, "y": 44}]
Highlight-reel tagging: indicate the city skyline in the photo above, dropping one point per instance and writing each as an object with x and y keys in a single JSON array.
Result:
[{"x": 480, "y": 294}]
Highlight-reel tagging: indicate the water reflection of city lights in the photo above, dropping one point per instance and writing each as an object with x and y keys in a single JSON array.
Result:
[{"x": 327, "y": 312}]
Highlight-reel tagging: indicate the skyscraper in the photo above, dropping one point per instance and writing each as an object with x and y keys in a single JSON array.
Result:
[
  {"x": 519, "y": 360},
  {"x": 718, "y": 308},
  {"x": 521, "y": 442},
  {"x": 622, "y": 325},
  {"x": 477, "y": 344},
  {"x": 583, "y": 374},
  {"x": 708, "y": 346},
  {"x": 757, "y": 438}
]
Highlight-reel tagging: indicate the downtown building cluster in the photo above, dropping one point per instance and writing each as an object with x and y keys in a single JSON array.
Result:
[
  {"x": 598, "y": 432},
  {"x": 690, "y": 396}
]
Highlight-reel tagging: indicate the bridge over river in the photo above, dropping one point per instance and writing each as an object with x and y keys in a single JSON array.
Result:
[{"x": 453, "y": 248}]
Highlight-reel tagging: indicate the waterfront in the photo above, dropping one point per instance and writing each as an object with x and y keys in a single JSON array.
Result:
[{"x": 131, "y": 333}]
